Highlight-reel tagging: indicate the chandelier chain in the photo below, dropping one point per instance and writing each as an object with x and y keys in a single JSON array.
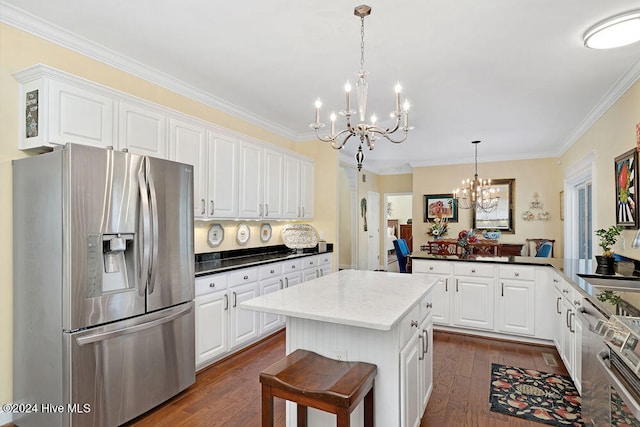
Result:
[{"x": 362, "y": 44}]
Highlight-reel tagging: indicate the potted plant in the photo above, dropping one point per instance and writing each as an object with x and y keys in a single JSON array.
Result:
[{"x": 608, "y": 238}]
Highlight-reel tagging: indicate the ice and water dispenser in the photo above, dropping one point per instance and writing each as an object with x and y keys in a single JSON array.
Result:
[{"x": 111, "y": 264}]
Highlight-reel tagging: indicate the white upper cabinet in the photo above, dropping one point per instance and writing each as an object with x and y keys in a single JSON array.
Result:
[
  {"x": 299, "y": 186},
  {"x": 187, "y": 145},
  {"x": 222, "y": 176},
  {"x": 273, "y": 184},
  {"x": 235, "y": 176},
  {"x": 53, "y": 111},
  {"x": 142, "y": 130},
  {"x": 251, "y": 172}
]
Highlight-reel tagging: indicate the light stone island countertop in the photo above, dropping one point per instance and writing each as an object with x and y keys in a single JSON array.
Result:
[{"x": 368, "y": 299}]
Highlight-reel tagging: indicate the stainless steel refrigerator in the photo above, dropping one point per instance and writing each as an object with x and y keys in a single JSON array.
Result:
[{"x": 103, "y": 285}]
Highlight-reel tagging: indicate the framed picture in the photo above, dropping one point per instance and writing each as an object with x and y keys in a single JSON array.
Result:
[
  {"x": 440, "y": 205},
  {"x": 626, "y": 189}
]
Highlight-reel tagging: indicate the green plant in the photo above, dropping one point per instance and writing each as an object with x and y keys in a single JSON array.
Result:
[{"x": 608, "y": 238}]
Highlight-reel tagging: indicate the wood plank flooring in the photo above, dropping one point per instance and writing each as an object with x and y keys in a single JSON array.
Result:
[{"x": 228, "y": 393}]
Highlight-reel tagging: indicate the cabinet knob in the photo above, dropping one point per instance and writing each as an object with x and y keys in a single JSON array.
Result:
[
  {"x": 473, "y": 270},
  {"x": 414, "y": 323},
  {"x": 246, "y": 277},
  {"x": 576, "y": 302},
  {"x": 212, "y": 285},
  {"x": 429, "y": 305},
  {"x": 431, "y": 267},
  {"x": 273, "y": 271},
  {"x": 517, "y": 274}
]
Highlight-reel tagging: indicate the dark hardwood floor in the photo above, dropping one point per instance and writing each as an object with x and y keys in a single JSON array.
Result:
[{"x": 228, "y": 393}]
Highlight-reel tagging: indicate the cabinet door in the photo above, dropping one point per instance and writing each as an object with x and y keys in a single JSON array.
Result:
[
  {"x": 441, "y": 300},
  {"x": 273, "y": 184},
  {"x": 269, "y": 321},
  {"x": 307, "y": 188},
  {"x": 558, "y": 324},
  {"x": 187, "y": 145},
  {"x": 222, "y": 177},
  {"x": 142, "y": 130},
  {"x": 211, "y": 326},
  {"x": 250, "y": 181},
  {"x": 566, "y": 346},
  {"x": 577, "y": 351},
  {"x": 79, "y": 116},
  {"x": 291, "y": 198},
  {"x": 516, "y": 307},
  {"x": 244, "y": 325},
  {"x": 426, "y": 365},
  {"x": 410, "y": 400},
  {"x": 310, "y": 274},
  {"x": 292, "y": 279},
  {"x": 473, "y": 302}
]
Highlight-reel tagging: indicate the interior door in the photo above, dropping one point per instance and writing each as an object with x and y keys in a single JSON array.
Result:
[{"x": 373, "y": 230}]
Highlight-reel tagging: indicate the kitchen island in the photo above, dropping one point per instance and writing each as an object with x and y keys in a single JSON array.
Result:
[{"x": 376, "y": 317}]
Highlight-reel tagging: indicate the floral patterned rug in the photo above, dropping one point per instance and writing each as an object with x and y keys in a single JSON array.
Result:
[{"x": 537, "y": 396}]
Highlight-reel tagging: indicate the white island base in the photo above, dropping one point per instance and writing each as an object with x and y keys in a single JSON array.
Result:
[{"x": 375, "y": 317}]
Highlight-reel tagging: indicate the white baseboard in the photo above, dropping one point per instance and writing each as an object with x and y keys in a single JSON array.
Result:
[
  {"x": 346, "y": 267},
  {"x": 5, "y": 418}
]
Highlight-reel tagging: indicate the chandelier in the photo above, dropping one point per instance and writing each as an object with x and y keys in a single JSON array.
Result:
[
  {"x": 476, "y": 193},
  {"x": 367, "y": 132}
]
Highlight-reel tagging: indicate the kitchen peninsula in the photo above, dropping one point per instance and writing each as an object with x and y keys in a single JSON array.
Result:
[{"x": 376, "y": 317}]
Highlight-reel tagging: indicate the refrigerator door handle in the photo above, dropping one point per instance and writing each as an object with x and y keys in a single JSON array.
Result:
[
  {"x": 154, "y": 227},
  {"x": 146, "y": 232},
  {"x": 103, "y": 336}
]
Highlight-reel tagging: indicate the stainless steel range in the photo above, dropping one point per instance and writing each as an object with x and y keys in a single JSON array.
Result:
[{"x": 611, "y": 352}]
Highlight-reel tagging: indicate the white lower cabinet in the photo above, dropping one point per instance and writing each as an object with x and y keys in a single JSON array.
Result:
[
  {"x": 221, "y": 326},
  {"x": 211, "y": 326},
  {"x": 416, "y": 367},
  {"x": 473, "y": 302},
  {"x": 271, "y": 280}
]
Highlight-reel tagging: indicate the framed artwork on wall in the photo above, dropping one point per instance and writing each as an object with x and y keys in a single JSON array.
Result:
[
  {"x": 440, "y": 206},
  {"x": 626, "y": 189}
]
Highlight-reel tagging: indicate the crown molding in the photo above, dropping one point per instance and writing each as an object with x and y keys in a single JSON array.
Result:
[
  {"x": 614, "y": 93},
  {"x": 31, "y": 24}
]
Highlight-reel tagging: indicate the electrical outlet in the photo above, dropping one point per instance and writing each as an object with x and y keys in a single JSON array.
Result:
[{"x": 339, "y": 354}]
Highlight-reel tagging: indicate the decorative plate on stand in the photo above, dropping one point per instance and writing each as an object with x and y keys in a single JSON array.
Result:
[
  {"x": 215, "y": 236},
  {"x": 242, "y": 234},
  {"x": 299, "y": 236},
  {"x": 265, "y": 233}
]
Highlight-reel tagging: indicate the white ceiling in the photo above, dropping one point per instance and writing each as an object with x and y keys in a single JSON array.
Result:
[{"x": 513, "y": 74}]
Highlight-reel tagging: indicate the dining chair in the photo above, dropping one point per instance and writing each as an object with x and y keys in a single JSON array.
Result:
[{"x": 537, "y": 246}]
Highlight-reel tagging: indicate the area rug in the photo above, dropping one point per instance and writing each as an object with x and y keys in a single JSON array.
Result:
[{"x": 533, "y": 395}]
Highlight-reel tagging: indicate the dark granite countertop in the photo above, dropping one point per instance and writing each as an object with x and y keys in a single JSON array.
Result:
[
  {"x": 223, "y": 261},
  {"x": 579, "y": 272}
]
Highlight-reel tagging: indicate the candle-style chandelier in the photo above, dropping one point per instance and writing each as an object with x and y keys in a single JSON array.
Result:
[
  {"x": 476, "y": 193},
  {"x": 368, "y": 133}
]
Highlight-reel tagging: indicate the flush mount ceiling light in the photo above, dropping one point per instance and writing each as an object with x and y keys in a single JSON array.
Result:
[
  {"x": 619, "y": 30},
  {"x": 367, "y": 132}
]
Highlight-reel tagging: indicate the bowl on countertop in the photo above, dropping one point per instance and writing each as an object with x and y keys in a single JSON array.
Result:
[{"x": 491, "y": 235}]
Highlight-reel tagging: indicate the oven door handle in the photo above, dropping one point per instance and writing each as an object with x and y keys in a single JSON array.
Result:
[{"x": 602, "y": 357}]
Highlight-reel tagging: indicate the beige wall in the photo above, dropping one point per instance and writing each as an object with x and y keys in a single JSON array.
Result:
[
  {"x": 543, "y": 176},
  {"x": 19, "y": 50},
  {"x": 613, "y": 134}
]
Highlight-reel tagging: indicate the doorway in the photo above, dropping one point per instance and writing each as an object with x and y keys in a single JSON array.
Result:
[
  {"x": 578, "y": 209},
  {"x": 398, "y": 212}
]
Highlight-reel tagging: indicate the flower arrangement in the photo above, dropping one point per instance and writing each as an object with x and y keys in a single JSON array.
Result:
[
  {"x": 465, "y": 237},
  {"x": 439, "y": 227}
]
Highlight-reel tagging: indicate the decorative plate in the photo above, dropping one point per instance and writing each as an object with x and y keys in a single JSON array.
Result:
[
  {"x": 298, "y": 236},
  {"x": 215, "y": 235},
  {"x": 265, "y": 233},
  {"x": 243, "y": 234}
]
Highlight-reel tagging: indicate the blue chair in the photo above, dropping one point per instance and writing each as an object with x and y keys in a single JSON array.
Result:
[
  {"x": 402, "y": 253},
  {"x": 544, "y": 251}
]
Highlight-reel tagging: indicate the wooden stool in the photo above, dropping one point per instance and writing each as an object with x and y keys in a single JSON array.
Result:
[{"x": 308, "y": 379}]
